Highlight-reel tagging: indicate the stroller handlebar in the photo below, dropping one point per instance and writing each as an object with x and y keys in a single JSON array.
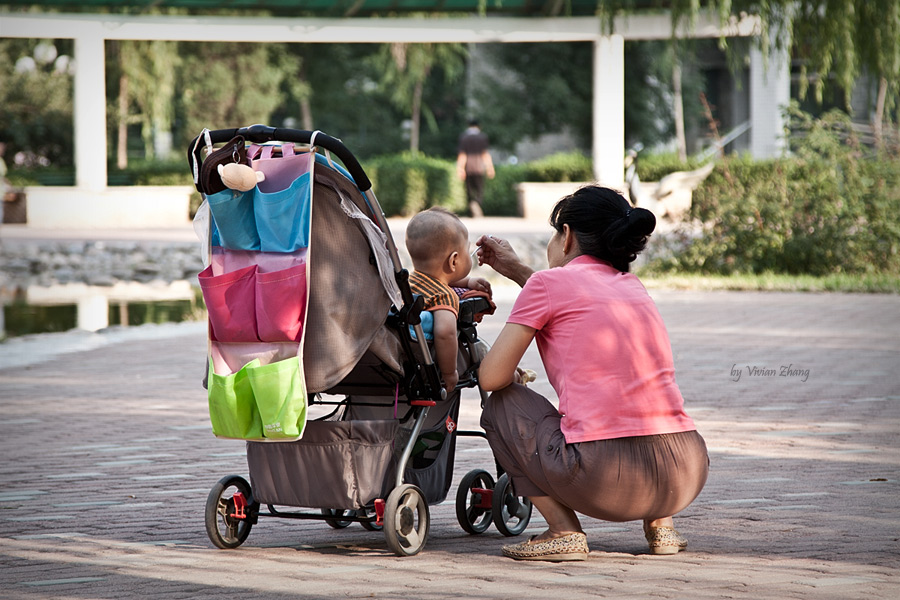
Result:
[{"x": 265, "y": 133}]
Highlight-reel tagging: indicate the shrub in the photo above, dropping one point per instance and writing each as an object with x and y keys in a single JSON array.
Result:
[
  {"x": 405, "y": 184},
  {"x": 500, "y": 198},
  {"x": 561, "y": 167},
  {"x": 832, "y": 208},
  {"x": 25, "y": 177},
  {"x": 653, "y": 167}
]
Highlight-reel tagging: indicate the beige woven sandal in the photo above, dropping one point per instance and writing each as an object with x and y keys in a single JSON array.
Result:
[
  {"x": 665, "y": 540},
  {"x": 568, "y": 547}
]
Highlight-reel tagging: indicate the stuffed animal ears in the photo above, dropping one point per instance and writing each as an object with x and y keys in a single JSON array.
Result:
[{"x": 239, "y": 177}]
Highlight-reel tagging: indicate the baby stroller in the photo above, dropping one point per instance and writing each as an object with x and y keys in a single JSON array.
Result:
[{"x": 310, "y": 311}]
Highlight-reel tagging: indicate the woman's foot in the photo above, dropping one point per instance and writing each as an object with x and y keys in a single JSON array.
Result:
[
  {"x": 564, "y": 548},
  {"x": 664, "y": 540}
]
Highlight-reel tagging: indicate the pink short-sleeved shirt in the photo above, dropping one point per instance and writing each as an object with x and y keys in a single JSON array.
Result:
[{"x": 605, "y": 349}]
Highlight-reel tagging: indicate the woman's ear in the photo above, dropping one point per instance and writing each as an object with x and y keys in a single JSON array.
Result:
[{"x": 568, "y": 239}]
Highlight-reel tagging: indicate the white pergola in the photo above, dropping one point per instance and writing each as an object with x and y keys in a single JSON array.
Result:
[{"x": 769, "y": 87}]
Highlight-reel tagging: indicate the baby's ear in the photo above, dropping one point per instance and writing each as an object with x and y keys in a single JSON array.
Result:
[{"x": 453, "y": 261}]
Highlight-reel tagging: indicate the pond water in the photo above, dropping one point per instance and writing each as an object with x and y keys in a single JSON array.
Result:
[{"x": 50, "y": 309}]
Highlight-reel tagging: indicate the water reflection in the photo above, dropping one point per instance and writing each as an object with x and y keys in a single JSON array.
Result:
[{"x": 43, "y": 309}]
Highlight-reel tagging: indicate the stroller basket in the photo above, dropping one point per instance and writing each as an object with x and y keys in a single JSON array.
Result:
[
  {"x": 358, "y": 453},
  {"x": 308, "y": 301}
]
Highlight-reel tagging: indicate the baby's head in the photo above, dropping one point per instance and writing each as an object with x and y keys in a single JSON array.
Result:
[{"x": 438, "y": 244}]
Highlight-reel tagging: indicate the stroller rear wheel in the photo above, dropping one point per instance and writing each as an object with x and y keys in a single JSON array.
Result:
[
  {"x": 335, "y": 521},
  {"x": 511, "y": 512},
  {"x": 229, "y": 512},
  {"x": 473, "y": 506},
  {"x": 406, "y": 520}
]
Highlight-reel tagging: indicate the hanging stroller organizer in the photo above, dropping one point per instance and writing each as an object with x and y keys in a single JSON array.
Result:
[{"x": 310, "y": 310}]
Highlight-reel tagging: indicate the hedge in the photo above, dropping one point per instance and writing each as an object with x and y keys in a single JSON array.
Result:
[
  {"x": 818, "y": 213},
  {"x": 405, "y": 184}
]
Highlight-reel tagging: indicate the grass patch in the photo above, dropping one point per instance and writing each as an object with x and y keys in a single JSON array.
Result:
[{"x": 772, "y": 282}]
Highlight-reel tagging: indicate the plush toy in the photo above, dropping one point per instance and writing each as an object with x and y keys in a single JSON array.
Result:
[
  {"x": 240, "y": 177},
  {"x": 527, "y": 376}
]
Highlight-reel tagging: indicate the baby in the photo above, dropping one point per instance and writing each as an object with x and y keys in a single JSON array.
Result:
[{"x": 438, "y": 244}]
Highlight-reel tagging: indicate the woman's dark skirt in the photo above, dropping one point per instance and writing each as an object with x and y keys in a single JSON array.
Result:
[{"x": 621, "y": 479}]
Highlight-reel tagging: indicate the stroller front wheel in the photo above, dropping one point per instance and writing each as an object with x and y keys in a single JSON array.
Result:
[
  {"x": 406, "y": 520},
  {"x": 511, "y": 512},
  {"x": 229, "y": 512}
]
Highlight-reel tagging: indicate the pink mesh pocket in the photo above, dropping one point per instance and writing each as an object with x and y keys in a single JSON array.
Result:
[
  {"x": 231, "y": 304},
  {"x": 280, "y": 172},
  {"x": 281, "y": 304},
  {"x": 225, "y": 261}
]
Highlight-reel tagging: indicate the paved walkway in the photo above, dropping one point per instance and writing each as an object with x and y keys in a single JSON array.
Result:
[{"x": 108, "y": 458}]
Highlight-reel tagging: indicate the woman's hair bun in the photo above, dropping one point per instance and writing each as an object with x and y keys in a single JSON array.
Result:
[{"x": 641, "y": 222}]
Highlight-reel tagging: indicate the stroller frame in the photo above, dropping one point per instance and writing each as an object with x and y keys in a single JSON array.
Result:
[{"x": 231, "y": 509}]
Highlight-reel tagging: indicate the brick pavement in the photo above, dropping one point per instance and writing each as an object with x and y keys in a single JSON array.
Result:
[{"x": 108, "y": 458}]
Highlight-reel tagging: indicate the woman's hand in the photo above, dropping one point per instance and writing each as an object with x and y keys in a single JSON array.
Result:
[{"x": 502, "y": 258}]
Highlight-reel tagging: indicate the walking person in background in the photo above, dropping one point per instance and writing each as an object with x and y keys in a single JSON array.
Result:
[{"x": 473, "y": 164}]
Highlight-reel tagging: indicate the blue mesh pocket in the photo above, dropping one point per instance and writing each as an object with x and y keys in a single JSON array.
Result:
[
  {"x": 282, "y": 217},
  {"x": 234, "y": 217}
]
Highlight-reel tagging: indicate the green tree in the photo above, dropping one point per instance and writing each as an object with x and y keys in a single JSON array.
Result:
[
  {"x": 406, "y": 69},
  {"x": 146, "y": 90},
  {"x": 224, "y": 85},
  {"x": 533, "y": 89},
  {"x": 36, "y": 101},
  {"x": 344, "y": 98},
  {"x": 834, "y": 40}
]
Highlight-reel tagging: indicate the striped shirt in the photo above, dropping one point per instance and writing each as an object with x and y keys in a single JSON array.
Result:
[{"x": 437, "y": 295}]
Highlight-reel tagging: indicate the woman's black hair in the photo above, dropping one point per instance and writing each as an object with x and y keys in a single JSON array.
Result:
[{"x": 605, "y": 224}]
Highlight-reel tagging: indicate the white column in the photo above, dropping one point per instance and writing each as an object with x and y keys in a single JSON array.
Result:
[
  {"x": 92, "y": 312},
  {"x": 770, "y": 92},
  {"x": 90, "y": 111},
  {"x": 609, "y": 110}
]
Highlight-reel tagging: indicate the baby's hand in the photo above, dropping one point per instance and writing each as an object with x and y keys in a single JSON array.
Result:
[
  {"x": 480, "y": 284},
  {"x": 450, "y": 381}
]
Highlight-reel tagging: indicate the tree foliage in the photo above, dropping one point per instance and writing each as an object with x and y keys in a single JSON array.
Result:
[
  {"x": 229, "y": 85},
  {"x": 406, "y": 69},
  {"x": 36, "y": 102},
  {"x": 150, "y": 68},
  {"x": 834, "y": 40},
  {"x": 360, "y": 90},
  {"x": 535, "y": 89}
]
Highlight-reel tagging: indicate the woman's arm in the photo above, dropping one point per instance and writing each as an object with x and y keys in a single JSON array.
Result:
[{"x": 498, "y": 367}]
